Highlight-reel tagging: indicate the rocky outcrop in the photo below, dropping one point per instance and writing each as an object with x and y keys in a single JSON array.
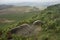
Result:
[
  {"x": 28, "y": 30},
  {"x": 38, "y": 23},
  {"x": 21, "y": 30}
]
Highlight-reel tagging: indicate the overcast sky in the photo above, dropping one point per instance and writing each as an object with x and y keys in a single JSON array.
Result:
[{"x": 16, "y": 1}]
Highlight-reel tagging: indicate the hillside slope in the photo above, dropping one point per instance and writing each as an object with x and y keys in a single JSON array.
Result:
[
  {"x": 51, "y": 24},
  {"x": 50, "y": 30},
  {"x": 51, "y": 27}
]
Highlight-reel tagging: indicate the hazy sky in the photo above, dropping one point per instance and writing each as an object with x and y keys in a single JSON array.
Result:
[{"x": 16, "y": 1}]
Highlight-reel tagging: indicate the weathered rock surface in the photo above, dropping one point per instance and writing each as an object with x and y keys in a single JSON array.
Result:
[
  {"x": 38, "y": 23},
  {"x": 27, "y": 30}
]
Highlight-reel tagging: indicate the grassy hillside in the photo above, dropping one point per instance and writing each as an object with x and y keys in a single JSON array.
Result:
[{"x": 49, "y": 16}]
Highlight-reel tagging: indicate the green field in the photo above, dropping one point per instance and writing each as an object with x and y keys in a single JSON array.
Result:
[{"x": 50, "y": 29}]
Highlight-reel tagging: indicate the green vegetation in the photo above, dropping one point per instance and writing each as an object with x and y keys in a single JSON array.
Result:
[{"x": 50, "y": 28}]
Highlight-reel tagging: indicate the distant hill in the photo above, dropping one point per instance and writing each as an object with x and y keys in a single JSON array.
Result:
[
  {"x": 5, "y": 6},
  {"x": 54, "y": 7},
  {"x": 32, "y": 3},
  {"x": 40, "y": 5},
  {"x": 16, "y": 9}
]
